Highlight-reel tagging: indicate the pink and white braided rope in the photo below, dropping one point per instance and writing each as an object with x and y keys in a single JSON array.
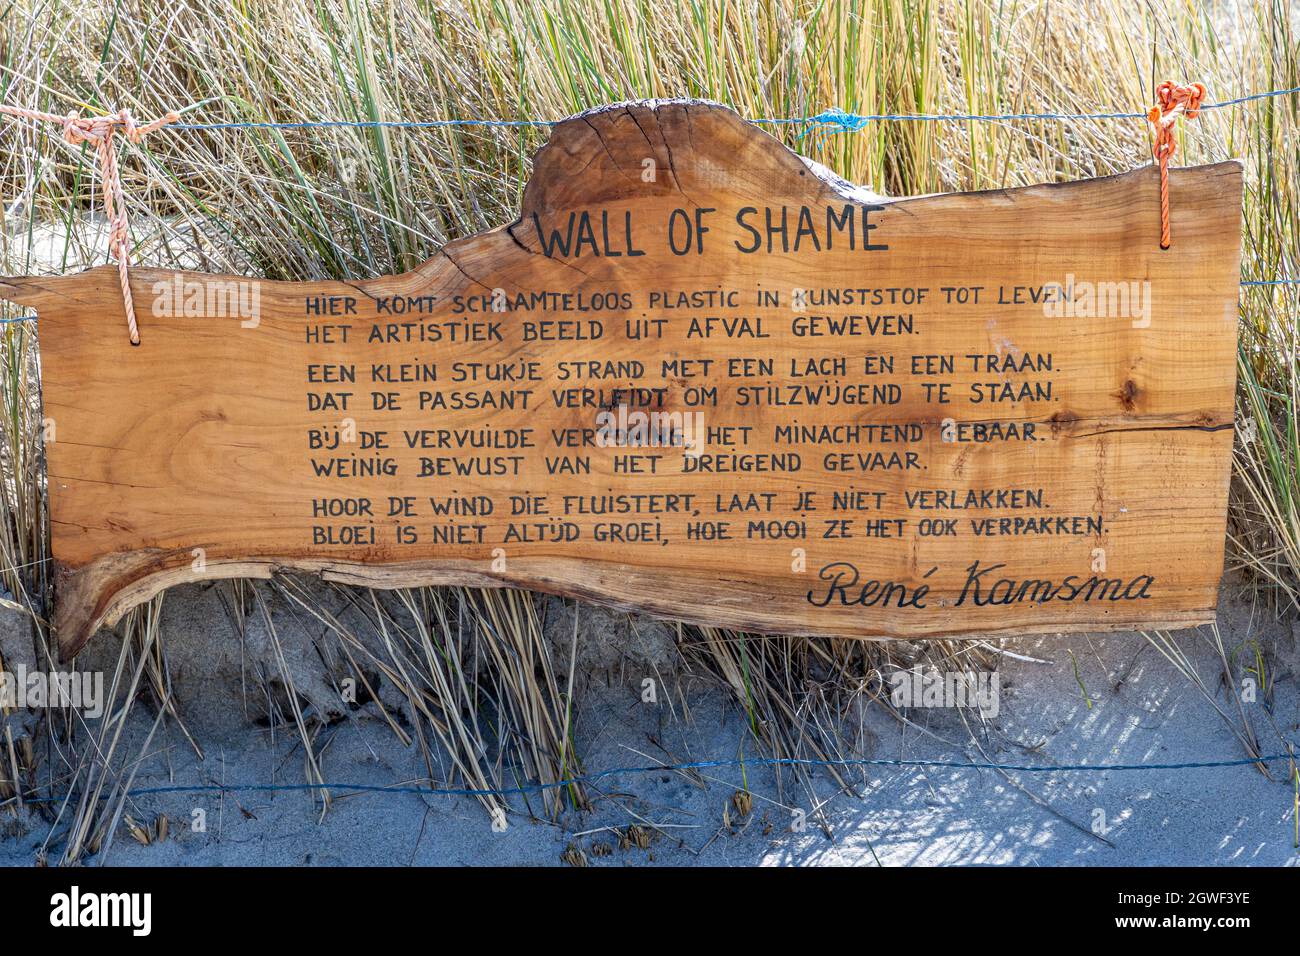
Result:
[{"x": 99, "y": 131}]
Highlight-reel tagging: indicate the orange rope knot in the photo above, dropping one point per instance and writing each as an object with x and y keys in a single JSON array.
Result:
[
  {"x": 1172, "y": 101},
  {"x": 99, "y": 132}
]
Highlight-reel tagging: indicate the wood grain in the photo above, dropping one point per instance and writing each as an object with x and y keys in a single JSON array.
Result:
[{"x": 199, "y": 438}]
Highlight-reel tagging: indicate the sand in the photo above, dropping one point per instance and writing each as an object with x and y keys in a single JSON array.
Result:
[{"x": 1090, "y": 699}]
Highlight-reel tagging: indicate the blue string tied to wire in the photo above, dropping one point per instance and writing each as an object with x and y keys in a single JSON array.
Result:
[
  {"x": 836, "y": 120},
  {"x": 829, "y": 122}
]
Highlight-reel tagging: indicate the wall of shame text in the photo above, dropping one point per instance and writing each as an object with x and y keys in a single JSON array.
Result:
[{"x": 695, "y": 378}]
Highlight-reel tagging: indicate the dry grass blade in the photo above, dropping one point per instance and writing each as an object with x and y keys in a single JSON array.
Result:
[
  {"x": 413, "y": 643},
  {"x": 284, "y": 703},
  {"x": 106, "y": 761},
  {"x": 1177, "y": 654},
  {"x": 477, "y": 678},
  {"x": 531, "y": 713}
]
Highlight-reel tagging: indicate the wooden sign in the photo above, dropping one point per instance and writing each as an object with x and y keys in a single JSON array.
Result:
[{"x": 698, "y": 377}]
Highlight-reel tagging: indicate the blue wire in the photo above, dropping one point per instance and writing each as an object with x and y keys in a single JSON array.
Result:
[
  {"x": 853, "y": 122},
  {"x": 847, "y": 122},
  {"x": 668, "y": 768},
  {"x": 362, "y": 124},
  {"x": 837, "y": 119},
  {"x": 840, "y": 120}
]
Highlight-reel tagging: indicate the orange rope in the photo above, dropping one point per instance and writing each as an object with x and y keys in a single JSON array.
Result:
[
  {"x": 99, "y": 132},
  {"x": 1173, "y": 100}
]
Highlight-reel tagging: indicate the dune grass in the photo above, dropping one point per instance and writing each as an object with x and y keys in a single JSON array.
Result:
[{"x": 359, "y": 202}]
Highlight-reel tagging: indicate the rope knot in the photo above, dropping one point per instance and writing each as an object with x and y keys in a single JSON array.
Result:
[
  {"x": 99, "y": 131},
  {"x": 1172, "y": 100},
  {"x": 78, "y": 130}
]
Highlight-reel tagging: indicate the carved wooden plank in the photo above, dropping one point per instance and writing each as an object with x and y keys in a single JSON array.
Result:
[{"x": 1049, "y": 454}]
